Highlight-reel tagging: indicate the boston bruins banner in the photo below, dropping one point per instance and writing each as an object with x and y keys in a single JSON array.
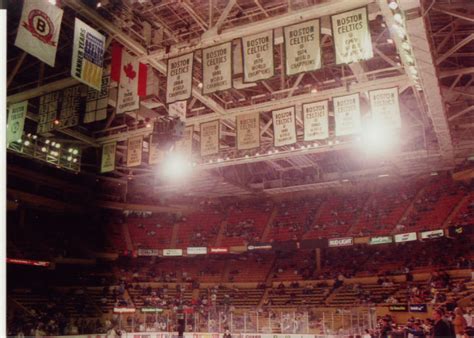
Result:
[
  {"x": 347, "y": 114},
  {"x": 284, "y": 126},
  {"x": 179, "y": 78},
  {"x": 257, "y": 53},
  {"x": 185, "y": 145},
  {"x": 134, "y": 151},
  {"x": 210, "y": 138},
  {"x": 248, "y": 131},
  {"x": 385, "y": 107},
  {"x": 352, "y": 36},
  {"x": 302, "y": 47},
  {"x": 16, "y": 121},
  {"x": 38, "y": 32},
  {"x": 108, "y": 157},
  {"x": 87, "y": 55},
  {"x": 217, "y": 68},
  {"x": 178, "y": 109},
  {"x": 128, "y": 99},
  {"x": 315, "y": 118}
]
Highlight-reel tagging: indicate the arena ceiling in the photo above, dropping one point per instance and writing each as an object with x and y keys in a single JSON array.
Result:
[{"x": 436, "y": 103}]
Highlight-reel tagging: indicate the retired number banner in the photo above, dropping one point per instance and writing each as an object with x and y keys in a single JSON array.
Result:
[
  {"x": 248, "y": 131},
  {"x": 302, "y": 47},
  {"x": 179, "y": 78},
  {"x": 351, "y": 36},
  {"x": 217, "y": 68},
  {"x": 134, "y": 151},
  {"x": 16, "y": 121},
  {"x": 385, "y": 107},
  {"x": 210, "y": 138},
  {"x": 284, "y": 126},
  {"x": 347, "y": 114},
  {"x": 87, "y": 55},
  {"x": 185, "y": 145},
  {"x": 128, "y": 99},
  {"x": 257, "y": 53},
  {"x": 38, "y": 33},
  {"x": 315, "y": 119},
  {"x": 108, "y": 157}
]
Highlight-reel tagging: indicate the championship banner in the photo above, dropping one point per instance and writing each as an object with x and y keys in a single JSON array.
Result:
[
  {"x": 108, "y": 157},
  {"x": 155, "y": 154},
  {"x": 347, "y": 114},
  {"x": 217, "y": 68},
  {"x": 16, "y": 121},
  {"x": 97, "y": 101},
  {"x": 87, "y": 55},
  {"x": 38, "y": 32},
  {"x": 185, "y": 145},
  {"x": 257, "y": 53},
  {"x": 128, "y": 99},
  {"x": 178, "y": 109},
  {"x": 385, "y": 107},
  {"x": 284, "y": 126},
  {"x": 315, "y": 120},
  {"x": 351, "y": 35},
  {"x": 179, "y": 78},
  {"x": 134, "y": 151},
  {"x": 248, "y": 131},
  {"x": 302, "y": 47},
  {"x": 210, "y": 138}
]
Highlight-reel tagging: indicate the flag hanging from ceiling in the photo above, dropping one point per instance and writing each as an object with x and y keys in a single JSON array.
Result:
[
  {"x": 108, "y": 157},
  {"x": 351, "y": 35},
  {"x": 134, "y": 151},
  {"x": 38, "y": 32},
  {"x": 248, "y": 131},
  {"x": 315, "y": 120},
  {"x": 217, "y": 68},
  {"x": 385, "y": 107},
  {"x": 117, "y": 50},
  {"x": 16, "y": 121},
  {"x": 347, "y": 114},
  {"x": 210, "y": 138},
  {"x": 87, "y": 55},
  {"x": 179, "y": 78},
  {"x": 284, "y": 126},
  {"x": 128, "y": 99},
  {"x": 302, "y": 47},
  {"x": 257, "y": 53}
]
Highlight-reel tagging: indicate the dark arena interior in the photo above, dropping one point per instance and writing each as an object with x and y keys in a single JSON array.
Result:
[{"x": 239, "y": 168}]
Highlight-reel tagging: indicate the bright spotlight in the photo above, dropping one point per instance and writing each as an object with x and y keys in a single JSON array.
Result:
[
  {"x": 175, "y": 166},
  {"x": 378, "y": 138}
]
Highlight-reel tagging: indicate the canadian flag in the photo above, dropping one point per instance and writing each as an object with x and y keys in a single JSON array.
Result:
[{"x": 131, "y": 76}]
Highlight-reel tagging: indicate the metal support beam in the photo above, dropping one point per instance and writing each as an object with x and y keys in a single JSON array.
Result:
[
  {"x": 463, "y": 16},
  {"x": 456, "y": 47},
  {"x": 48, "y": 88},
  {"x": 16, "y": 68}
]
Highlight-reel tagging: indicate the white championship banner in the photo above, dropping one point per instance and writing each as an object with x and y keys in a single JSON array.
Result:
[
  {"x": 284, "y": 126},
  {"x": 257, "y": 53},
  {"x": 347, "y": 114},
  {"x": 185, "y": 145},
  {"x": 179, "y": 78},
  {"x": 217, "y": 68},
  {"x": 248, "y": 131},
  {"x": 385, "y": 107},
  {"x": 16, "y": 121},
  {"x": 178, "y": 109},
  {"x": 315, "y": 120},
  {"x": 108, "y": 157},
  {"x": 38, "y": 32},
  {"x": 87, "y": 55},
  {"x": 302, "y": 47},
  {"x": 134, "y": 151},
  {"x": 210, "y": 138},
  {"x": 351, "y": 35},
  {"x": 128, "y": 99},
  {"x": 155, "y": 154}
]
